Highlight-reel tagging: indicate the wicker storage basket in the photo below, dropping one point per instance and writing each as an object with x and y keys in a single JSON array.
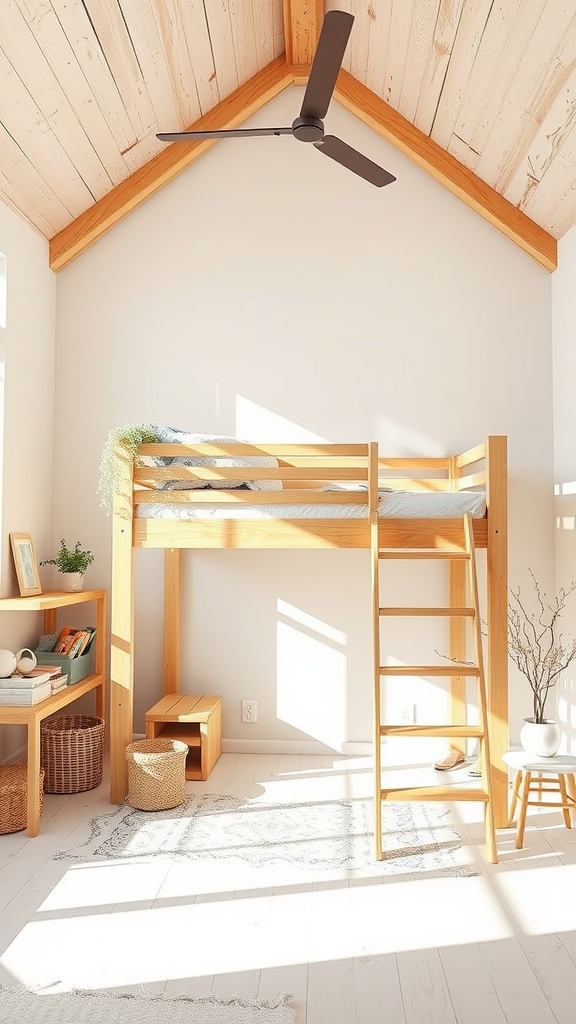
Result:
[
  {"x": 13, "y": 797},
  {"x": 156, "y": 773},
  {"x": 72, "y": 753}
]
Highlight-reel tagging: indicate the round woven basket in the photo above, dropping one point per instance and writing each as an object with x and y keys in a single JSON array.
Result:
[
  {"x": 72, "y": 753},
  {"x": 156, "y": 774},
  {"x": 13, "y": 797}
]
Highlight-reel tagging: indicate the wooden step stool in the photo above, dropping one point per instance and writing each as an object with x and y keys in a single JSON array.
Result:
[
  {"x": 196, "y": 721},
  {"x": 555, "y": 774}
]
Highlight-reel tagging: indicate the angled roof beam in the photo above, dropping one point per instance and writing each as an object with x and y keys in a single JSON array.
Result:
[
  {"x": 302, "y": 24},
  {"x": 386, "y": 121},
  {"x": 125, "y": 197}
]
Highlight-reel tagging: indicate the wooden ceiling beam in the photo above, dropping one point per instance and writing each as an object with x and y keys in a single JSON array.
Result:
[
  {"x": 388, "y": 123},
  {"x": 125, "y": 197},
  {"x": 302, "y": 24}
]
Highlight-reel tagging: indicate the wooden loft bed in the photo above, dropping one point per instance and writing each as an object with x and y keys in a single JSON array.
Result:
[{"x": 145, "y": 515}]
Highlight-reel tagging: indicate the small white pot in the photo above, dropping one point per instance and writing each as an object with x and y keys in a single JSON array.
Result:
[
  {"x": 541, "y": 739},
  {"x": 71, "y": 581}
]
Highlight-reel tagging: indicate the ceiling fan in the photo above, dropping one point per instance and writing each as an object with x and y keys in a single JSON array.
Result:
[{"x": 309, "y": 126}]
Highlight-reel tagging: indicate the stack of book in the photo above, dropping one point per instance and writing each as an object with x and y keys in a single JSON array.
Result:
[
  {"x": 58, "y": 679},
  {"x": 25, "y": 690},
  {"x": 31, "y": 689}
]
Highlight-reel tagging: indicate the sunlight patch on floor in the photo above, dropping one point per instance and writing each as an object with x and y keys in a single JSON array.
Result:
[
  {"x": 202, "y": 937},
  {"x": 540, "y": 899}
]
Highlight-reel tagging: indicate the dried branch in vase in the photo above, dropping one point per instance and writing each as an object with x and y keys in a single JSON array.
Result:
[{"x": 535, "y": 644}]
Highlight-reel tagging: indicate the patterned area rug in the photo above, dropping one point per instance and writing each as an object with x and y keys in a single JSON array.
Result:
[
  {"x": 17, "y": 1005},
  {"x": 324, "y": 836}
]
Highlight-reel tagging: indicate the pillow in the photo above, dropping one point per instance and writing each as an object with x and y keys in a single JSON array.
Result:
[{"x": 174, "y": 436}]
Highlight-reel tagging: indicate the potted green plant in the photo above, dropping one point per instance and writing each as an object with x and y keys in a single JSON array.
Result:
[
  {"x": 72, "y": 564},
  {"x": 541, "y": 653}
]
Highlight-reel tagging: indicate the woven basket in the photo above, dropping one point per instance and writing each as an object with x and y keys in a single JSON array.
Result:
[
  {"x": 72, "y": 753},
  {"x": 13, "y": 797},
  {"x": 156, "y": 774}
]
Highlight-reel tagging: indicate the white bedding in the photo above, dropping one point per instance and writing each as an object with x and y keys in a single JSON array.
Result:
[{"x": 392, "y": 504}]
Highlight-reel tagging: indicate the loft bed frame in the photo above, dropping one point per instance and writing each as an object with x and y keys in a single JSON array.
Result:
[{"x": 303, "y": 470}]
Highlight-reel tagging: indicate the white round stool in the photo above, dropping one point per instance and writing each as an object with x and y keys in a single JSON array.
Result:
[{"x": 559, "y": 772}]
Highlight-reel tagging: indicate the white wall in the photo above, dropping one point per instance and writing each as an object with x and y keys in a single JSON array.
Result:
[
  {"x": 27, "y": 353},
  {"x": 564, "y": 328},
  {"x": 270, "y": 294}
]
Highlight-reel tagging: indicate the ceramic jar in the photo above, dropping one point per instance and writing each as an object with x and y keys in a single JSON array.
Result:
[{"x": 541, "y": 739}]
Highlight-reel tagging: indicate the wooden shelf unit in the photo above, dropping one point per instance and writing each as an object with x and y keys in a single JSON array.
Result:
[
  {"x": 197, "y": 721},
  {"x": 32, "y": 716}
]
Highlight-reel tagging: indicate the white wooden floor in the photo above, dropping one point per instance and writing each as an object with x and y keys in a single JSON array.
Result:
[{"x": 496, "y": 948}]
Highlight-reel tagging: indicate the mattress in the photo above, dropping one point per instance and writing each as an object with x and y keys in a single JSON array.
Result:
[{"x": 392, "y": 504}]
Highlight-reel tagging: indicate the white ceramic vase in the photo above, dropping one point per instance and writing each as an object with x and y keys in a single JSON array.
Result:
[
  {"x": 541, "y": 739},
  {"x": 71, "y": 582}
]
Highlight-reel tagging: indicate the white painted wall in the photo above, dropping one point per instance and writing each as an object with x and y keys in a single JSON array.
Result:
[
  {"x": 564, "y": 328},
  {"x": 27, "y": 370},
  {"x": 270, "y": 294}
]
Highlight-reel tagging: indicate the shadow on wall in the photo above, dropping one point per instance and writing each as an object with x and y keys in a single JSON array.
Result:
[{"x": 565, "y": 509}]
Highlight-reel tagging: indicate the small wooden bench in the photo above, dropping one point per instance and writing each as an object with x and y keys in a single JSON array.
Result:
[
  {"x": 197, "y": 720},
  {"x": 555, "y": 774}
]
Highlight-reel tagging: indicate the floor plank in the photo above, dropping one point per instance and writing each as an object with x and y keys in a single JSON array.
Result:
[
  {"x": 331, "y": 993},
  {"x": 377, "y": 985},
  {"x": 472, "y": 992}
]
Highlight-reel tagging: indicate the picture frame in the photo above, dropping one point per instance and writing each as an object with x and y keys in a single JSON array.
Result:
[{"x": 25, "y": 564}]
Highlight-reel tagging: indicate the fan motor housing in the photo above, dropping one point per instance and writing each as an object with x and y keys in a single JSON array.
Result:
[{"x": 308, "y": 129}]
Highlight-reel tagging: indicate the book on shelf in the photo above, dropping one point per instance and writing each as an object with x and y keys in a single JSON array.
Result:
[
  {"x": 78, "y": 643},
  {"x": 18, "y": 682},
  {"x": 65, "y": 640},
  {"x": 26, "y": 695},
  {"x": 51, "y": 670},
  {"x": 90, "y": 633},
  {"x": 72, "y": 642}
]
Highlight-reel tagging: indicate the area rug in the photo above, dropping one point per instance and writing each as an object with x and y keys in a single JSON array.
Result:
[
  {"x": 17, "y": 1005},
  {"x": 319, "y": 836}
]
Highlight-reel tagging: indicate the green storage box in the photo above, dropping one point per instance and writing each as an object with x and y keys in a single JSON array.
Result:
[{"x": 77, "y": 668}]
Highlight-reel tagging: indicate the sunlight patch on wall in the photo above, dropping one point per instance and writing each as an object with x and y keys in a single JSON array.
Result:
[
  {"x": 256, "y": 423},
  {"x": 311, "y": 675},
  {"x": 569, "y": 487}
]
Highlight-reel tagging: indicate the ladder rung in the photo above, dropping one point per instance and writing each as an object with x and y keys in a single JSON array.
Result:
[
  {"x": 434, "y": 793},
  {"x": 465, "y": 731},
  {"x": 428, "y": 611},
  {"x": 434, "y": 553},
  {"x": 454, "y": 669}
]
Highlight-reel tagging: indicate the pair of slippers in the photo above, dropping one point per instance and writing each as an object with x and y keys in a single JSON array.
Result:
[{"x": 456, "y": 759}]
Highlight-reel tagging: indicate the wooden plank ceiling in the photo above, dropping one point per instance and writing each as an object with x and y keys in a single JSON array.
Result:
[{"x": 482, "y": 94}]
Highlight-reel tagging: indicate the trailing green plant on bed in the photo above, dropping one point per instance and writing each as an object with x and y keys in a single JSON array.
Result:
[
  {"x": 70, "y": 559},
  {"x": 130, "y": 437}
]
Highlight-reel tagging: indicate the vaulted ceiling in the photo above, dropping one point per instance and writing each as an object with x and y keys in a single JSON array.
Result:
[{"x": 481, "y": 93}]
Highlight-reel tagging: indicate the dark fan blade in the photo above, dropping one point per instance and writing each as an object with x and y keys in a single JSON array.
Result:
[
  {"x": 327, "y": 62},
  {"x": 354, "y": 161},
  {"x": 232, "y": 133}
]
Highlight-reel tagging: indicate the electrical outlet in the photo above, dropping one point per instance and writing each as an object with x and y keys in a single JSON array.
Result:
[
  {"x": 249, "y": 711},
  {"x": 409, "y": 714}
]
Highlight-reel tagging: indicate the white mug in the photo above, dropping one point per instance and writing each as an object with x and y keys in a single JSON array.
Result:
[{"x": 26, "y": 661}]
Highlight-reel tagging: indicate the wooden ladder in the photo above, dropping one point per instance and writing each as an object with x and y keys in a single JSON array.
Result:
[{"x": 483, "y": 791}]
